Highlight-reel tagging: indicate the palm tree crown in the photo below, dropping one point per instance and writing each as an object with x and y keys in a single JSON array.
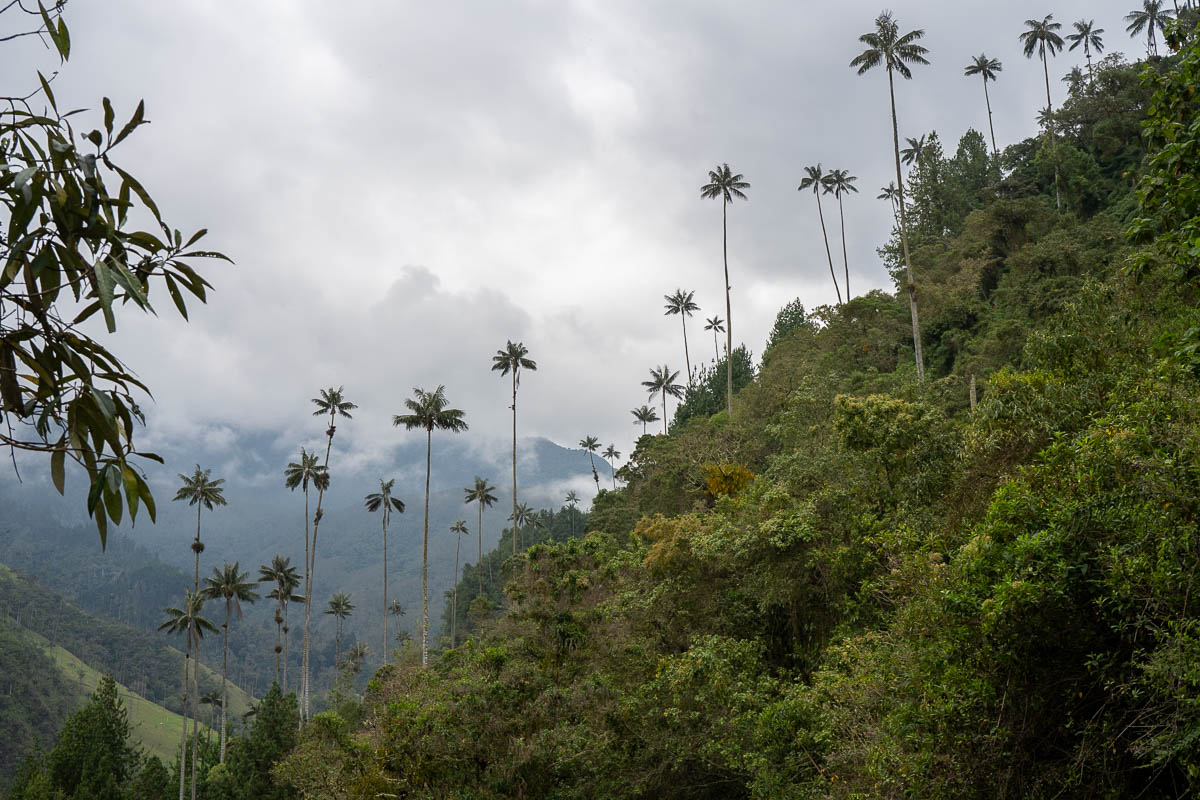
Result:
[
  {"x": 1151, "y": 16},
  {"x": 1042, "y": 39},
  {"x": 513, "y": 359},
  {"x": 383, "y": 500},
  {"x": 723, "y": 183},
  {"x": 305, "y": 471},
  {"x": 429, "y": 412},
  {"x": 662, "y": 380},
  {"x": 199, "y": 488},
  {"x": 334, "y": 403},
  {"x": 643, "y": 416},
  {"x": 1087, "y": 34}
]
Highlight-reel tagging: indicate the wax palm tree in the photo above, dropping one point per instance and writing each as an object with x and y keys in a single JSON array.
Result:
[
  {"x": 681, "y": 303},
  {"x": 914, "y": 154},
  {"x": 1042, "y": 39},
  {"x": 840, "y": 182},
  {"x": 612, "y": 454},
  {"x": 481, "y": 495},
  {"x": 287, "y": 580},
  {"x": 334, "y": 403},
  {"x": 303, "y": 473},
  {"x": 888, "y": 47},
  {"x": 1087, "y": 34},
  {"x": 383, "y": 501},
  {"x": 891, "y": 194},
  {"x": 340, "y": 607},
  {"x": 231, "y": 585},
  {"x": 524, "y": 516},
  {"x": 429, "y": 412},
  {"x": 724, "y": 184},
  {"x": 572, "y": 500},
  {"x": 662, "y": 381},
  {"x": 212, "y": 699},
  {"x": 356, "y": 656},
  {"x": 987, "y": 68},
  {"x": 511, "y": 360},
  {"x": 812, "y": 180},
  {"x": 189, "y": 621},
  {"x": 1151, "y": 15},
  {"x": 202, "y": 491},
  {"x": 459, "y": 529},
  {"x": 592, "y": 444},
  {"x": 644, "y": 415},
  {"x": 716, "y": 325}
]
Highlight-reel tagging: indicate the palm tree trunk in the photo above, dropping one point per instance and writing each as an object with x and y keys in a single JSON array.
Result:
[
  {"x": 224, "y": 686},
  {"x": 285, "y": 646},
  {"x": 687, "y": 359},
  {"x": 912, "y": 286},
  {"x": 1046, "y": 71},
  {"x": 312, "y": 565},
  {"x": 514, "y": 460},
  {"x": 278, "y": 648},
  {"x": 385, "y": 591},
  {"x": 845, "y": 260},
  {"x": 664, "y": 399},
  {"x": 479, "y": 531},
  {"x": 1087, "y": 52},
  {"x": 454, "y": 603},
  {"x": 307, "y": 597},
  {"x": 183, "y": 734},
  {"x": 728, "y": 317},
  {"x": 824, "y": 235},
  {"x": 716, "y": 353},
  {"x": 988, "y": 100},
  {"x": 1049, "y": 132},
  {"x": 195, "y": 716},
  {"x": 425, "y": 557}
]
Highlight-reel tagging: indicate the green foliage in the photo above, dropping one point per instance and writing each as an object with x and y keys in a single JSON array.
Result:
[
  {"x": 790, "y": 318},
  {"x": 93, "y": 757},
  {"x": 706, "y": 395},
  {"x": 247, "y": 770}
]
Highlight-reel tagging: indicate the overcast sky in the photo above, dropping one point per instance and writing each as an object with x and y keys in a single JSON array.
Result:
[{"x": 404, "y": 186}]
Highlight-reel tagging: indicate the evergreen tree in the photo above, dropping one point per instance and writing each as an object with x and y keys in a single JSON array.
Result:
[{"x": 93, "y": 757}]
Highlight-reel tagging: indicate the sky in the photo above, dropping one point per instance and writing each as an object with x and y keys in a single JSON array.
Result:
[{"x": 404, "y": 187}]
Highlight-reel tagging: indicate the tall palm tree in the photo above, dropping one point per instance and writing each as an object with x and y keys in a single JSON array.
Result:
[
  {"x": 987, "y": 68},
  {"x": 915, "y": 153},
  {"x": 212, "y": 699},
  {"x": 812, "y": 180},
  {"x": 1042, "y": 38},
  {"x": 287, "y": 580},
  {"x": 302, "y": 473},
  {"x": 231, "y": 585},
  {"x": 840, "y": 182},
  {"x": 481, "y": 495},
  {"x": 429, "y": 411},
  {"x": 891, "y": 194},
  {"x": 340, "y": 607},
  {"x": 681, "y": 303},
  {"x": 895, "y": 51},
  {"x": 397, "y": 610},
  {"x": 200, "y": 491},
  {"x": 334, "y": 403},
  {"x": 612, "y": 454},
  {"x": 591, "y": 444},
  {"x": 1087, "y": 34},
  {"x": 723, "y": 183},
  {"x": 189, "y": 621},
  {"x": 383, "y": 501},
  {"x": 572, "y": 500},
  {"x": 459, "y": 529},
  {"x": 662, "y": 380},
  {"x": 356, "y": 656},
  {"x": 511, "y": 360},
  {"x": 524, "y": 516},
  {"x": 716, "y": 325},
  {"x": 644, "y": 415},
  {"x": 1151, "y": 15}
]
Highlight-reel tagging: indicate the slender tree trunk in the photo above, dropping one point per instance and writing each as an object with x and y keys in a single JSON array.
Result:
[
  {"x": 224, "y": 673},
  {"x": 687, "y": 359},
  {"x": 183, "y": 734},
  {"x": 307, "y": 598},
  {"x": 195, "y": 716},
  {"x": 728, "y": 314},
  {"x": 278, "y": 646},
  {"x": 385, "y": 591},
  {"x": 514, "y": 459},
  {"x": 1087, "y": 52},
  {"x": 196, "y": 550},
  {"x": 312, "y": 566},
  {"x": 664, "y": 399},
  {"x": 845, "y": 260},
  {"x": 454, "y": 603},
  {"x": 1046, "y": 72},
  {"x": 716, "y": 352},
  {"x": 912, "y": 285},
  {"x": 1049, "y": 132},
  {"x": 425, "y": 558},
  {"x": 285, "y": 647},
  {"x": 988, "y": 100},
  {"x": 479, "y": 532},
  {"x": 825, "y": 236}
]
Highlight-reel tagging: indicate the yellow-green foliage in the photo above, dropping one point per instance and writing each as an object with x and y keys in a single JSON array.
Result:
[{"x": 725, "y": 480}]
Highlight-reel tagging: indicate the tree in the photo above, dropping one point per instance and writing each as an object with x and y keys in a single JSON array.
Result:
[
  {"x": 281, "y": 572},
  {"x": 356, "y": 656},
  {"x": 1086, "y": 34},
  {"x": 681, "y": 303},
  {"x": 591, "y": 444},
  {"x": 891, "y": 194},
  {"x": 723, "y": 183},
  {"x": 1151, "y": 16},
  {"x": 459, "y": 529},
  {"x": 74, "y": 246},
  {"x": 429, "y": 411},
  {"x": 612, "y": 455},
  {"x": 644, "y": 415},
  {"x": 202, "y": 492},
  {"x": 340, "y": 607},
  {"x": 662, "y": 381},
  {"x": 791, "y": 317},
  {"x": 189, "y": 621},
  {"x": 840, "y": 182},
  {"x": 334, "y": 403},
  {"x": 383, "y": 501},
  {"x": 481, "y": 495},
  {"x": 301, "y": 473},
  {"x": 94, "y": 757},
  {"x": 716, "y": 325},
  {"x": 511, "y": 360},
  {"x": 886, "y": 46},
  {"x": 987, "y": 68},
  {"x": 572, "y": 500},
  {"x": 228, "y": 584},
  {"x": 1042, "y": 37},
  {"x": 272, "y": 736},
  {"x": 812, "y": 180}
]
